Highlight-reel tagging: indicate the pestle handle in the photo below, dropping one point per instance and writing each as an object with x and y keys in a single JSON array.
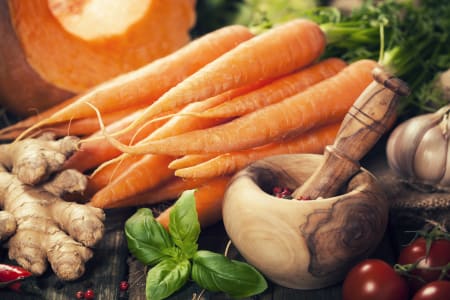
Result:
[{"x": 367, "y": 120}]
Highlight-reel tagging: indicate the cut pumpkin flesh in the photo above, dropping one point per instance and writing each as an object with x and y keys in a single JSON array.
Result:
[{"x": 57, "y": 48}]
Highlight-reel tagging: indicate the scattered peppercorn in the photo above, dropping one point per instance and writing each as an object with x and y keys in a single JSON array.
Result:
[
  {"x": 280, "y": 192},
  {"x": 79, "y": 295},
  {"x": 123, "y": 286},
  {"x": 89, "y": 294}
]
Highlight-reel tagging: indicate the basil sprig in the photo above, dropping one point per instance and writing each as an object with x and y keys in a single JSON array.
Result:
[{"x": 175, "y": 258}]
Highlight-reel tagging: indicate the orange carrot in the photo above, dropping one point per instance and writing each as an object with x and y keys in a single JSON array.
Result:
[
  {"x": 148, "y": 83},
  {"x": 108, "y": 172},
  {"x": 276, "y": 52},
  {"x": 12, "y": 131},
  {"x": 277, "y": 90},
  {"x": 80, "y": 127},
  {"x": 94, "y": 152},
  {"x": 87, "y": 126},
  {"x": 313, "y": 141},
  {"x": 208, "y": 201},
  {"x": 325, "y": 102},
  {"x": 180, "y": 123},
  {"x": 136, "y": 179},
  {"x": 191, "y": 160},
  {"x": 95, "y": 149},
  {"x": 186, "y": 120},
  {"x": 169, "y": 190},
  {"x": 111, "y": 173}
]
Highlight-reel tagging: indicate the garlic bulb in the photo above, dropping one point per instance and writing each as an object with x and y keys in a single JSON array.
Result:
[{"x": 418, "y": 149}]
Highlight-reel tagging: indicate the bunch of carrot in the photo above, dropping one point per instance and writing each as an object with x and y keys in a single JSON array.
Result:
[{"x": 196, "y": 117}]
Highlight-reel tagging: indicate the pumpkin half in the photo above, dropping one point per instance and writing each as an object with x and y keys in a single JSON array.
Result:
[{"x": 53, "y": 49}]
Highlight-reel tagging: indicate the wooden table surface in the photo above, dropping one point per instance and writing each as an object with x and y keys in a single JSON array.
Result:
[{"x": 112, "y": 263}]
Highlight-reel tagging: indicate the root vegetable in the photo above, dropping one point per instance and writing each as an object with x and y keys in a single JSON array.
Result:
[
  {"x": 121, "y": 178},
  {"x": 169, "y": 190},
  {"x": 138, "y": 87},
  {"x": 7, "y": 225},
  {"x": 297, "y": 43},
  {"x": 59, "y": 48},
  {"x": 277, "y": 90},
  {"x": 49, "y": 229},
  {"x": 316, "y": 106},
  {"x": 147, "y": 172},
  {"x": 228, "y": 163}
]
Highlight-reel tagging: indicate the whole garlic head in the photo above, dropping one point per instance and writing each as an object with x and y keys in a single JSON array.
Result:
[{"x": 418, "y": 150}]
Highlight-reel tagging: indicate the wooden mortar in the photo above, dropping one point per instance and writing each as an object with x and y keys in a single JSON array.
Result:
[{"x": 309, "y": 244}]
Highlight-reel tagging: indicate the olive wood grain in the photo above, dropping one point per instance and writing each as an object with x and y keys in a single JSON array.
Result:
[
  {"x": 302, "y": 244},
  {"x": 367, "y": 120},
  {"x": 312, "y": 244}
]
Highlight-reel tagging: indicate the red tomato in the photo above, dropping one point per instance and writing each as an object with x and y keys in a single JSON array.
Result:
[
  {"x": 435, "y": 290},
  {"x": 374, "y": 279},
  {"x": 438, "y": 256}
]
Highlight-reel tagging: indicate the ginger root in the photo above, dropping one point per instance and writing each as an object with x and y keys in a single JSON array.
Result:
[{"x": 40, "y": 226}]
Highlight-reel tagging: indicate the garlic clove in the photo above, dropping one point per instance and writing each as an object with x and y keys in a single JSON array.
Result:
[
  {"x": 431, "y": 156},
  {"x": 408, "y": 133},
  {"x": 445, "y": 127},
  {"x": 418, "y": 150},
  {"x": 445, "y": 181}
]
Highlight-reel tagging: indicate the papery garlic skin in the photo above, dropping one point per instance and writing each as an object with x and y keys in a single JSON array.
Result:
[{"x": 418, "y": 149}]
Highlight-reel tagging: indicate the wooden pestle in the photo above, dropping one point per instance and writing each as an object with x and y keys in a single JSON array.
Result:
[{"x": 367, "y": 120}]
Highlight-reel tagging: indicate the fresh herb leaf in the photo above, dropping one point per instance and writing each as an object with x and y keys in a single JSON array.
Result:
[
  {"x": 216, "y": 272},
  {"x": 175, "y": 258},
  {"x": 166, "y": 278},
  {"x": 184, "y": 226},
  {"x": 147, "y": 239}
]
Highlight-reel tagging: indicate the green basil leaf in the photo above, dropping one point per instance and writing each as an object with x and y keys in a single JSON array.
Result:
[
  {"x": 215, "y": 272},
  {"x": 147, "y": 239},
  {"x": 184, "y": 227},
  {"x": 166, "y": 278}
]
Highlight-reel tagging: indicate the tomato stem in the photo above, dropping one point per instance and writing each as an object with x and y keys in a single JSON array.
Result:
[
  {"x": 445, "y": 272},
  {"x": 431, "y": 232},
  {"x": 405, "y": 271}
]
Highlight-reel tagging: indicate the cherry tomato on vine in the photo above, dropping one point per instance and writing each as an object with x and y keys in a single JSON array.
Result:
[
  {"x": 427, "y": 269},
  {"x": 374, "y": 279},
  {"x": 435, "y": 290}
]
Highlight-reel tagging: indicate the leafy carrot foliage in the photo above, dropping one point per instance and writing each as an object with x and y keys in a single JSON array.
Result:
[{"x": 412, "y": 40}]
